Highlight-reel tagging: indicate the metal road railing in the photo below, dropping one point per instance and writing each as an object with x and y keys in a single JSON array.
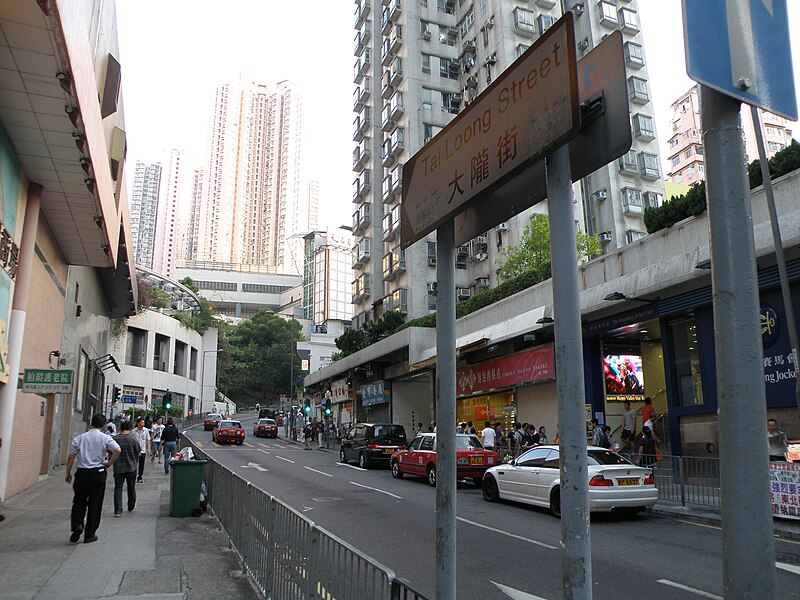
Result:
[
  {"x": 287, "y": 555},
  {"x": 688, "y": 480}
]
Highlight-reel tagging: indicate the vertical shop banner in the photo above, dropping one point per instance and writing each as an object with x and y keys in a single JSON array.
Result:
[
  {"x": 525, "y": 367},
  {"x": 785, "y": 488},
  {"x": 340, "y": 391}
]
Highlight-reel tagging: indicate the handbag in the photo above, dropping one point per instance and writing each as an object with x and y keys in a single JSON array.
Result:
[{"x": 659, "y": 456}]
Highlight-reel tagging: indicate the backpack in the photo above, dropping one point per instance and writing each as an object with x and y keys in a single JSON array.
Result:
[{"x": 605, "y": 442}]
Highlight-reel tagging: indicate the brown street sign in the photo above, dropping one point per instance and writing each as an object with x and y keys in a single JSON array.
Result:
[
  {"x": 529, "y": 110},
  {"x": 604, "y": 137}
]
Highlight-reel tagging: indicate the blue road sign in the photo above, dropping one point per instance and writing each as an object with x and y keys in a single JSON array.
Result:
[
  {"x": 128, "y": 399},
  {"x": 741, "y": 48}
]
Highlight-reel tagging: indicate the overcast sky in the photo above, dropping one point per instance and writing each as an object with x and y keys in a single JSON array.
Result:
[{"x": 174, "y": 54}]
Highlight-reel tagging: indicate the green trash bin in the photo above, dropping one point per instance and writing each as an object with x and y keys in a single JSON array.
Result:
[{"x": 186, "y": 477}]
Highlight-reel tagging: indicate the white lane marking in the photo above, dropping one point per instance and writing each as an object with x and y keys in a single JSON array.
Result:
[
  {"x": 286, "y": 459},
  {"x": 320, "y": 472},
  {"x": 264, "y": 451},
  {"x": 359, "y": 469},
  {"x": 377, "y": 490},
  {"x": 791, "y": 568},
  {"x": 686, "y": 588},
  {"x": 515, "y": 594},
  {"x": 699, "y": 524},
  {"x": 513, "y": 535}
]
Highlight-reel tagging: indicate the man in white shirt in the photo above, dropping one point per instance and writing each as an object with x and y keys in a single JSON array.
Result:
[
  {"x": 488, "y": 436},
  {"x": 142, "y": 435},
  {"x": 156, "y": 430},
  {"x": 89, "y": 453}
]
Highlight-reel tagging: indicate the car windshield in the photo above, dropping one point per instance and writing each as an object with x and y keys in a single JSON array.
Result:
[
  {"x": 389, "y": 431},
  {"x": 231, "y": 424},
  {"x": 606, "y": 457},
  {"x": 465, "y": 442},
  {"x": 266, "y": 422},
  {"x": 214, "y": 417}
]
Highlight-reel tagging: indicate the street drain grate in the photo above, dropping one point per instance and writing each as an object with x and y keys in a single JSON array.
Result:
[{"x": 329, "y": 499}]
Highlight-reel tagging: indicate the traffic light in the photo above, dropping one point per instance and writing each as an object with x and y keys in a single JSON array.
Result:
[
  {"x": 115, "y": 393},
  {"x": 167, "y": 400},
  {"x": 327, "y": 406},
  {"x": 307, "y": 407}
]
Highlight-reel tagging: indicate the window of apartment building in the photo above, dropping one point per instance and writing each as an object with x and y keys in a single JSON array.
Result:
[
  {"x": 524, "y": 21},
  {"x": 634, "y": 56},
  {"x": 643, "y": 126},
  {"x": 631, "y": 200},
  {"x": 260, "y": 288},
  {"x": 179, "y": 362},
  {"x": 545, "y": 22},
  {"x": 775, "y": 147},
  {"x": 426, "y": 63},
  {"x": 445, "y": 37},
  {"x": 425, "y": 29},
  {"x": 431, "y": 254},
  {"x": 431, "y": 299},
  {"x": 466, "y": 23},
  {"x": 628, "y": 20},
  {"x": 423, "y": 3},
  {"x": 427, "y": 133},
  {"x": 161, "y": 353},
  {"x": 690, "y": 172},
  {"x": 677, "y": 178},
  {"x": 485, "y": 32},
  {"x": 673, "y": 142},
  {"x": 701, "y": 168},
  {"x": 193, "y": 365},
  {"x": 136, "y": 347},
  {"x": 699, "y": 150},
  {"x": 637, "y": 90},
  {"x": 688, "y": 152},
  {"x": 771, "y": 131},
  {"x": 219, "y": 286},
  {"x": 607, "y": 13},
  {"x": 676, "y": 160},
  {"x": 426, "y": 98},
  {"x": 633, "y": 235}
]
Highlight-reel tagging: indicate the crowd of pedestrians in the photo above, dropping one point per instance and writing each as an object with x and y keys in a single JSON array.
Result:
[{"x": 101, "y": 448}]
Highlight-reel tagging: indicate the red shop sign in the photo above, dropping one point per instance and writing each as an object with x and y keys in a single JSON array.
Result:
[{"x": 524, "y": 367}]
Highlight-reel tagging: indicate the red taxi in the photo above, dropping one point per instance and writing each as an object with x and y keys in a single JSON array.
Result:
[
  {"x": 228, "y": 431},
  {"x": 211, "y": 421},
  {"x": 472, "y": 459},
  {"x": 265, "y": 427}
]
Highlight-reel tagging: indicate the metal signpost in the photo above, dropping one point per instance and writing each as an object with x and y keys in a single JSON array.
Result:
[
  {"x": 530, "y": 112},
  {"x": 739, "y": 51}
]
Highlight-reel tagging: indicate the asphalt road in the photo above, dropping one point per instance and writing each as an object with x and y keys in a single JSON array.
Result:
[{"x": 505, "y": 550}]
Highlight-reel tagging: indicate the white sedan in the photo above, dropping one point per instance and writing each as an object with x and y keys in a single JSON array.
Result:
[{"x": 615, "y": 484}]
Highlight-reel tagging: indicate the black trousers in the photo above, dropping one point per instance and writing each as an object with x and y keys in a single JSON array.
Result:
[
  {"x": 89, "y": 488},
  {"x": 142, "y": 458},
  {"x": 120, "y": 479}
]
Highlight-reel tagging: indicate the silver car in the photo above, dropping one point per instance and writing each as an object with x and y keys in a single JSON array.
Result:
[{"x": 615, "y": 484}]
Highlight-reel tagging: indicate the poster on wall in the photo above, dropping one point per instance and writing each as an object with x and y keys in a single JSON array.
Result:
[
  {"x": 785, "y": 487},
  {"x": 624, "y": 379}
]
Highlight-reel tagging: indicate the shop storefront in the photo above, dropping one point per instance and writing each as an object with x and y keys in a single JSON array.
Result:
[
  {"x": 502, "y": 390},
  {"x": 341, "y": 404}
]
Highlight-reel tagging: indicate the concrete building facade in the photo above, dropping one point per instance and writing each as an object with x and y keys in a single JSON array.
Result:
[
  {"x": 171, "y": 213},
  {"x": 144, "y": 210}
]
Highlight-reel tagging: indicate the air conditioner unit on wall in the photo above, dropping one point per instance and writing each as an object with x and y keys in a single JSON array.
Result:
[
  {"x": 604, "y": 236},
  {"x": 431, "y": 261},
  {"x": 426, "y": 35},
  {"x": 600, "y": 195}
]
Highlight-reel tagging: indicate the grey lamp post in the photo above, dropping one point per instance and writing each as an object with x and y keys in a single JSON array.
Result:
[{"x": 202, "y": 375}]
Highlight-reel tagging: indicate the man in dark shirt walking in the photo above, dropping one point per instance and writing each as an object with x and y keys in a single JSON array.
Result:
[
  {"x": 169, "y": 440},
  {"x": 125, "y": 467}
]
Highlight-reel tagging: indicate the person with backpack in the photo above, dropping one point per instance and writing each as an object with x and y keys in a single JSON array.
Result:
[{"x": 599, "y": 436}]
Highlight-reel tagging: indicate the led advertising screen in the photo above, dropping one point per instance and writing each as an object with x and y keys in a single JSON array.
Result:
[{"x": 624, "y": 379}]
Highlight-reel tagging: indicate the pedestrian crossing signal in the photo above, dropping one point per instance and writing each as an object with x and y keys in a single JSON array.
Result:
[{"x": 167, "y": 400}]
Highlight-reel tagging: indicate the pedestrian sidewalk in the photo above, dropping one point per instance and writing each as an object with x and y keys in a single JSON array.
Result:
[{"x": 145, "y": 554}]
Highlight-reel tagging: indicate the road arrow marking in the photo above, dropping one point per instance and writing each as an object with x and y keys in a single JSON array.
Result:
[
  {"x": 515, "y": 594},
  {"x": 791, "y": 568},
  {"x": 254, "y": 466},
  {"x": 686, "y": 588}
]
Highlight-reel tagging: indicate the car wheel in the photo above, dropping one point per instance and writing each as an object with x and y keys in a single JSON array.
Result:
[
  {"x": 478, "y": 481},
  {"x": 489, "y": 488},
  {"x": 396, "y": 472},
  {"x": 342, "y": 457},
  {"x": 432, "y": 475},
  {"x": 555, "y": 502},
  {"x": 362, "y": 461},
  {"x": 241, "y": 442}
]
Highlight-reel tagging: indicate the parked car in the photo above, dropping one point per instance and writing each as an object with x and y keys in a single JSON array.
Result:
[
  {"x": 211, "y": 421},
  {"x": 372, "y": 443},
  {"x": 228, "y": 431},
  {"x": 472, "y": 459},
  {"x": 615, "y": 484},
  {"x": 266, "y": 413},
  {"x": 265, "y": 427}
]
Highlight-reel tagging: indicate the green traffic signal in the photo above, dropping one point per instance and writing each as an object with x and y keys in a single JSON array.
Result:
[{"x": 307, "y": 409}]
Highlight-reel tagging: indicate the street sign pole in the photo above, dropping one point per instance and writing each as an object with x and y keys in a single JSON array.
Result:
[
  {"x": 745, "y": 509},
  {"x": 576, "y": 564},
  {"x": 778, "y": 241},
  {"x": 446, "y": 574}
]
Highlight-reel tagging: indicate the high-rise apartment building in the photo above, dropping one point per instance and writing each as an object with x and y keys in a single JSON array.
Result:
[
  {"x": 144, "y": 211},
  {"x": 170, "y": 217},
  {"x": 326, "y": 278},
  {"x": 190, "y": 243},
  {"x": 252, "y": 201},
  {"x": 686, "y": 157},
  {"x": 418, "y": 64}
]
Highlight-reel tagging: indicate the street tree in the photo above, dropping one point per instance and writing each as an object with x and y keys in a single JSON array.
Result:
[{"x": 533, "y": 251}]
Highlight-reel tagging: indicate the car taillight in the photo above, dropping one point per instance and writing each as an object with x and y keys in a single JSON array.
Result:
[
  {"x": 649, "y": 480},
  {"x": 373, "y": 446},
  {"x": 600, "y": 481}
]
